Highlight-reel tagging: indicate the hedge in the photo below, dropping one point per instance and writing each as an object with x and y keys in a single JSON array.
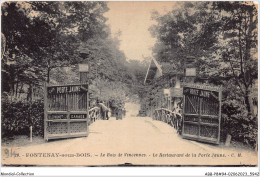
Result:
[
  {"x": 237, "y": 123},
  {"x": 18, "y": 116}
]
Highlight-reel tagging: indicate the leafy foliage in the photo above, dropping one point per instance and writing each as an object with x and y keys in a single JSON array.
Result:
[
  {"x": 187, "y": 31},
  {"x": 239, "y": 43},
  {"x": 42, "y": 36},
  {"x": 113, "y": 93},
  {"x": 222, "y": 36},
  {"x": 17, "y": 117},
  {"x": 45, "y": 42}
]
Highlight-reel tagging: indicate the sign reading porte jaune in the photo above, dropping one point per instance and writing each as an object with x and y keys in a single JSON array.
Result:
[
  {"x": 201, "y": 93},
  {"x": 66, "y": 89}
]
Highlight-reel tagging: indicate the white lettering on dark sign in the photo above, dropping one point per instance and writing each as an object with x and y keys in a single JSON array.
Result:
[
  {"x": 201, "y": 93},
  {"x": 204, "y": 93},
  {"x": 78, "y": 116},
  {"x": 57, "y": 116},
  {"x": 66, "y": 89},
  {"x": 194, "y": 91}
]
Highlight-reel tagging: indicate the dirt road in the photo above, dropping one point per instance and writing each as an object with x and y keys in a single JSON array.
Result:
[{"x": 133, "y": 140}]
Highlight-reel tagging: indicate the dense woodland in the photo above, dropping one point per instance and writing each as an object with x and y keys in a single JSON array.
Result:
[
  {"x": 45, "y": 42},
  {"x": 222, "y": 36}
]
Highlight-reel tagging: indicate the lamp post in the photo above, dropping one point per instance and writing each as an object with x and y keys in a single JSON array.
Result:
[
  {"x": 83, "y": 77},
  {"x": 190, "y": 69},
  {"x": 83, "y": 73}
]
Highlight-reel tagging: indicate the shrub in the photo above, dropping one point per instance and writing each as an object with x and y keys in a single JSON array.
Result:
[
  {"x": 18, "y": 116},
  {"x": 237, "y": 123}
]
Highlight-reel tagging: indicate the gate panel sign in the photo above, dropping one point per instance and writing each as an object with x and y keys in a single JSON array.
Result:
[
  {"x": 66, "y": 89},
  {"x": 65, "y": 111},
  {"x": 202, "y": 113}
]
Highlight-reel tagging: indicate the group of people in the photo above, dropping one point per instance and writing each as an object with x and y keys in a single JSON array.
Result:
[{"x": 106, "y": 112}]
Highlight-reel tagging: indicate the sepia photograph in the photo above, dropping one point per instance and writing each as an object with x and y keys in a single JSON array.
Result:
[{"x": 129, "y": 84}]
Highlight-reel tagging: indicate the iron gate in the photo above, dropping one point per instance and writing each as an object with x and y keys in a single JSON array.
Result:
[
  {"x": 202, "y": 113},
  {"x": 65, "y": 111}
]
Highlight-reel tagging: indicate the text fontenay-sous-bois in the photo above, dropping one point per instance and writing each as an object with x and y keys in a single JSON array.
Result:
[{"x": 12, "y": 153}]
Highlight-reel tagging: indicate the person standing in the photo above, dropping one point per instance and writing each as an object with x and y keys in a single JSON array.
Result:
[
  {"x": 119, "y": 112},
  {"x": 103, "y": 110}
]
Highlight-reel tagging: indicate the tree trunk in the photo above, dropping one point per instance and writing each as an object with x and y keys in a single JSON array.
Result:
[
  {"x": 48, "y": 75},
  {"x": 29, "y": 93},
  {"x": 12, "y": 88},
  {"x": 249, "y": 103},
  {"x": 21, "y": 88},
  {"x": 16, "y": 88}
]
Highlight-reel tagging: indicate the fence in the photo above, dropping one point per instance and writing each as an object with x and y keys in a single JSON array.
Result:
[
  {"x": 94, "y": 114},
  {"x": 169, "y": 117}
]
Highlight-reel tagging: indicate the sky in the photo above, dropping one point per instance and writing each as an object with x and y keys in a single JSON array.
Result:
[{"x": 133, "y": 19}]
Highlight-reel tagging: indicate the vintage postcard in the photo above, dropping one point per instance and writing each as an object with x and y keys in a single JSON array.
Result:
[{"x": 108, "y": 84}]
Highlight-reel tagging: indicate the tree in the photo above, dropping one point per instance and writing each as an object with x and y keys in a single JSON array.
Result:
[
  {"x": 190, "y": 30},
  {"x": 42, "y": 36},
  {"x": 239, "y": 45},
  {"x": 226, "y": 41},
  {"x": 71, "y": 24},
  {"x": 16, "y": 64},
  {"x": 222, "y": 36}
]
